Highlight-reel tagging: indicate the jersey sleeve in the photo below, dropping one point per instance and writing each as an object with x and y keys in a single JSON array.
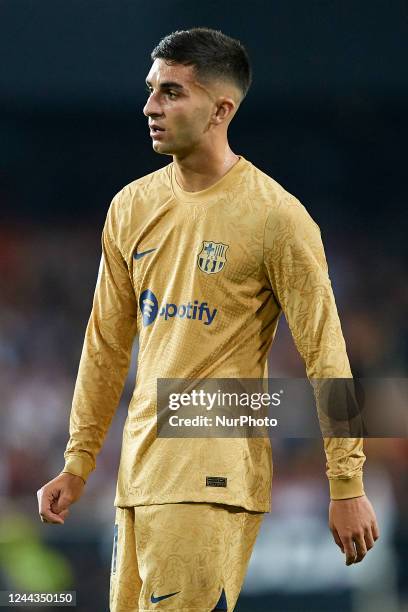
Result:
[
  {"x": 298, "y": 274},
  {"x": 105, "y": 358}
]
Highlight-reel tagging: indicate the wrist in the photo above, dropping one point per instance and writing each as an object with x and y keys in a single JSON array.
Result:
[
  {"x": 78, "y": 465},
  {"x": 346, "y": 488}
]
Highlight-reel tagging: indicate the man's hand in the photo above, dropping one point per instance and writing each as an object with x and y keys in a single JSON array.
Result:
[
  {"x": 56, "y": 496},
  {"x": 354, "y": 527}
]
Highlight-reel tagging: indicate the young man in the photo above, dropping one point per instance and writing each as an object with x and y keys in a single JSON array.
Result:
[{"x": 200, "y": 258}]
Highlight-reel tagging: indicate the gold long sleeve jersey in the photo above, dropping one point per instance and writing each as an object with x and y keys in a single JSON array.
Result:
[{"x": 217, "y": 268}]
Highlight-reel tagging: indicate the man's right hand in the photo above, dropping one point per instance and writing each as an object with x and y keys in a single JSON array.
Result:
[{"x": 55, "y": 497}]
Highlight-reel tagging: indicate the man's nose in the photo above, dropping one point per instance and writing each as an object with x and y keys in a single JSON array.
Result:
[{"x": 152, "y": 107}]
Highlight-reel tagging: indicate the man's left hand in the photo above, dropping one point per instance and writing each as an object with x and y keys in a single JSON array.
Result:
[{"x": 354, "y": 527}]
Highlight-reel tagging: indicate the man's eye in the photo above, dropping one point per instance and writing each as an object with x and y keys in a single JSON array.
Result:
[{"x": 172, "y": 95}]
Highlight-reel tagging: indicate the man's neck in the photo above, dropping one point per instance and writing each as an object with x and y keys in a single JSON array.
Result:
[{"x": 200, "y": 170}]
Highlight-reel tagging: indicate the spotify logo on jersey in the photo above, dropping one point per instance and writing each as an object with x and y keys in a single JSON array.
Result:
[
  {"x": 149, "y": 306},
  {"x": 193, "y": 310}
]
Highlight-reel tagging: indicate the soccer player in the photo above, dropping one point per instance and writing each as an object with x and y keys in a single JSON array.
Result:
[{"x": 199, "y": 259}]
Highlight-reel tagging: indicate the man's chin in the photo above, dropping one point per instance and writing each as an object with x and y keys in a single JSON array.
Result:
[{"x": 162, "y": 148}]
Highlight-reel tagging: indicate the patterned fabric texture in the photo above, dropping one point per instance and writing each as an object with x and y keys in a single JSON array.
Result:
[
  {"x": 180, "y": 557},
  {"x": 203, "y": 278}
]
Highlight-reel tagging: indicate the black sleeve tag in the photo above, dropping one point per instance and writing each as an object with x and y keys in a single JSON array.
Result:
[{"x": 215, "y": 481}]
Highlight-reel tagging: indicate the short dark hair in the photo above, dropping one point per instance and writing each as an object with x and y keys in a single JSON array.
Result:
[{"x": 212, "y": 53}]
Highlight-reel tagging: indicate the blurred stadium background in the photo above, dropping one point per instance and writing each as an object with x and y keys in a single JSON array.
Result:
[{"x": 327, "y": 118}]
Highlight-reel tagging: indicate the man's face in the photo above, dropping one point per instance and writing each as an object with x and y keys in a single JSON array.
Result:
[{"x": 179, "y": 105}]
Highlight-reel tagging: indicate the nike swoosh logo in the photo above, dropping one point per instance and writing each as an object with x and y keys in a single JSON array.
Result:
[
  {"x": 143, "y": 253},
  {"x": 154, "y": 599}
]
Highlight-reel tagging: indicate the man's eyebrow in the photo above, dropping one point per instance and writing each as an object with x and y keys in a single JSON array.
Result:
[{"x": 167, "y": 85}]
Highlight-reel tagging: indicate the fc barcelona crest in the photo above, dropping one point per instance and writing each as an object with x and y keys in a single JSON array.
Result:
[{"x": 212, "y": 257}]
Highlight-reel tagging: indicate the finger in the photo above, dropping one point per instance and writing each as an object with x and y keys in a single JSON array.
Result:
[
  {"x": 360, "y": 548},
  {"x": 50, "y": 517},
  {"x": 369, "y": 539},
  {"x": 375, "y": 530},
  {"x": 45, "y": 499},
  {"x": 337, "y": 540},
  {"x": 349, "y": 549},
  {"x": 61, "y": 504},
  {"x": 48, "y": 497}
]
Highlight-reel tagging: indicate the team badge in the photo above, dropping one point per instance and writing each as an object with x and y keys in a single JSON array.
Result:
[{"x": 212, "y": 257}]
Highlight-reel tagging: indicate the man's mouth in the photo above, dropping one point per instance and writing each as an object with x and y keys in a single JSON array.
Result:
[{"x": 155, "y": 129}]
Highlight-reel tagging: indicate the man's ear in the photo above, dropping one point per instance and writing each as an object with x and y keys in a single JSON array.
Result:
[{"x": 224, "y": 110}]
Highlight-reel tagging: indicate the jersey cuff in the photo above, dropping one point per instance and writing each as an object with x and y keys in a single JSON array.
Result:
[
  {"x": 344, "y": 488},
  {"x": 79, "y": 465}
]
